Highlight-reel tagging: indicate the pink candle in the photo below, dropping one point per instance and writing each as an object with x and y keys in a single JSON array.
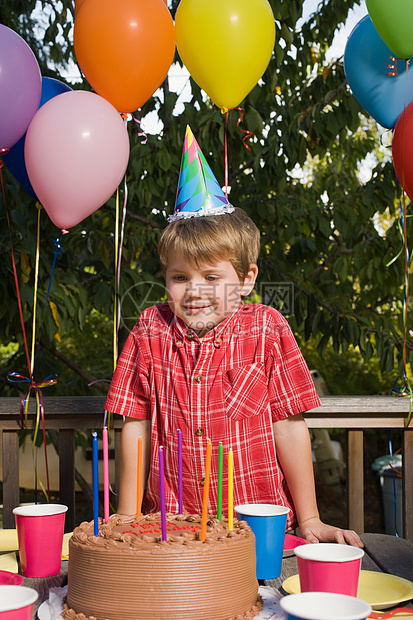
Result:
[
  {"x": 162, "y": 491},
  {"x": 105, "y": 474},
  {"x": 139, "y": 479}
]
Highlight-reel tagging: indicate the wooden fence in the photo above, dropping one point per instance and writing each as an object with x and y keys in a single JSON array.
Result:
[{"x": 353, "y": 413}]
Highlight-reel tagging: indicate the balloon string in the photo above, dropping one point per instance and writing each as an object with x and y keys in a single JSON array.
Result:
[
  {"x": 16, "y": 280},
  {"x": 36, "y": 280},
  {"x": 248, "y": 133},
  {"x": 226, "y": 154},
  {"x": 115, "y": 305}
]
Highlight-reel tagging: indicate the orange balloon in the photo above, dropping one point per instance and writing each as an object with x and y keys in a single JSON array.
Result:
[
  {"x": 78, "y": 4},
  {"x": 124, "y": 48}
]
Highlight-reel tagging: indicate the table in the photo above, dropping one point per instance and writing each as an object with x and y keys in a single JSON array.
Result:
[{"x": 383, "y": 553}]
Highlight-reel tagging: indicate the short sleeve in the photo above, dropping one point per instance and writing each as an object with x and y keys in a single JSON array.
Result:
[
  {"x": 129, "y": 392},
  {"x": 290, "y": 385}
]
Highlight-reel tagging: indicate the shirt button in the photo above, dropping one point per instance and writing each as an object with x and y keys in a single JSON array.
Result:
[
  {"x": 190, "y": 335},
  {"x": 199, "y": 432},
  {"x": 198, "y": 378},
  {"x": 179, "y": 343},
  {"x": 202, "y": 481},
  {"x": 217, "y": 343}
]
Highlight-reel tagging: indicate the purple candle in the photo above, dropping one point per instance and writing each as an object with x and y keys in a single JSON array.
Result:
[
  {"x": 180, "y": 500},
  {"x": 162, "y": 491}
]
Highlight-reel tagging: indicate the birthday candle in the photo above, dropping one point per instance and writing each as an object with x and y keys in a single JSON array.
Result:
[
  {"x": 139, "y": 479},
  {"x": 105, "y": 474},
  {"x": 230, "y": 490},
  {"x": 95, "y": 484},
  {"x": 180, "y": 499},
  {"x": 162, "y": 491},
  {"x": 206, "y": 490},
  {"x": 220, "y": 467}
]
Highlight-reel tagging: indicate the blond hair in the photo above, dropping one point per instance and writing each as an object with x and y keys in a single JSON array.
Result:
[{"x": 208, "y": 239}]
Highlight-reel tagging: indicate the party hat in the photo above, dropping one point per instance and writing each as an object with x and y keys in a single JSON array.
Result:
[{"x": 198, "y": 190}]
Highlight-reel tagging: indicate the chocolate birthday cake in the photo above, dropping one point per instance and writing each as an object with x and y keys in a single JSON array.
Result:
[{"x": 129, "y": 572}]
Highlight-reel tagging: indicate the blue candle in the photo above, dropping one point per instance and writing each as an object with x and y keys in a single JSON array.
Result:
[{"x": 95, "y": 485}]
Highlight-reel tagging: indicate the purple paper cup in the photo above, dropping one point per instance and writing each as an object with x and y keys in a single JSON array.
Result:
[
  {"x": 324, "y": 606},
  {"x": 268, "y": 522},
  {"x": 40, "y": 529}
]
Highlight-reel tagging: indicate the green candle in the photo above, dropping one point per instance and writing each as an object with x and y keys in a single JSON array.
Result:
[{"x": 220, "y": 466}]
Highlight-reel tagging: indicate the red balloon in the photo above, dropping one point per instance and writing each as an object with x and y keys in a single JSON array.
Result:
[
  {"x": 124, "y": 48},
  {"x": 402, "y": 149}
]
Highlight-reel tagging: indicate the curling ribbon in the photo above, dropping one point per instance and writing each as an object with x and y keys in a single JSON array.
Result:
[
  {"x": 16, "y": 280},
  {"x": 248, "y": 133},
  {"x": 405, "y": 389},
  {"x": 15, "y": 377}
]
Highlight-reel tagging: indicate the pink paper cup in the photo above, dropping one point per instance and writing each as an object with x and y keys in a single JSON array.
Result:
[
  {"x": 16, "y": 602},
  {"x": 329, "y": 567},
  {"x": 324, "y": 606},
  {"x": 40, "y": 529}
]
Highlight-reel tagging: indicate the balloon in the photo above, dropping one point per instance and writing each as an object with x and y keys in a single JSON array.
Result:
[
  {"x": 393, "y": 20},
  {"x": 20, "y": 87},
  {"x": 78, "y": 4},
  {"x": 402, "y": 149},
  {"x": 14, "y": 160},
  {"x": 124, "y": 48},
  {"x": 226, "y": 45},
  {"x": 366, "y": 57},
  {"x": 77, "y": 150}
]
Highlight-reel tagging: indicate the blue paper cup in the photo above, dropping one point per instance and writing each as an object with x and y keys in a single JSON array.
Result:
[
  {"x": 268, "y": 523},
  {"x": 324, "y": 606}
]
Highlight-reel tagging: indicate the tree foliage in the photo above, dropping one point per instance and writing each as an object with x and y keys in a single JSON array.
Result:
[{"x": 328, "y": 236}]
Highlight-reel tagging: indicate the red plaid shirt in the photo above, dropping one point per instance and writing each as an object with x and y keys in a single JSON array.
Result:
[{"x": 230, "y": 387}]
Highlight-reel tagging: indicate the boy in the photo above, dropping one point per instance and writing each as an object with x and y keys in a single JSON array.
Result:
[{"x": 216, "y": 369}]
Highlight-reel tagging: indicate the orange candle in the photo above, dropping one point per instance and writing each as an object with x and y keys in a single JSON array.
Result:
[
  {"x": 206, "y": 490},
  {"x": 230, "y": 490},
  {"x": 139, "y": 479}
]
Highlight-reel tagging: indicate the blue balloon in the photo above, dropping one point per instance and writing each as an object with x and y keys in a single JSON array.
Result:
[
  {"x": 14, "y": 159},
  {"x": 366, "y": 60}
]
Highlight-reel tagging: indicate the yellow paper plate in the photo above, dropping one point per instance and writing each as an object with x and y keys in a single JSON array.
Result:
[
  {"x": 8, "y": 540},
  {"x": 8, "y": 562},
  {"x": 379, "y": 589}
]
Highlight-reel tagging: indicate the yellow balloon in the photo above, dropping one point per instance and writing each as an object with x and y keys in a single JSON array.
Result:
[{"x": 226, "y": 45}]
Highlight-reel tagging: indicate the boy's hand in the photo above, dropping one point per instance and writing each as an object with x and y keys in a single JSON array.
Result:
[{"x": 314, "y": 530}]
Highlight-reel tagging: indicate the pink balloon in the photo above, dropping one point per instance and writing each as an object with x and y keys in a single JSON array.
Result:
[
  {"x": 76, "y": 153},
  {"x": 20, "y": 87}
]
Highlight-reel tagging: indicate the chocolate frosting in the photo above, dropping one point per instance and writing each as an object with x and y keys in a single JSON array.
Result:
[{"x": 129, "y": 573}]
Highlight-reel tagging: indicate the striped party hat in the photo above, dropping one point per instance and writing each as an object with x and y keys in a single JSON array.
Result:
[{"x": 198, "y": 190}]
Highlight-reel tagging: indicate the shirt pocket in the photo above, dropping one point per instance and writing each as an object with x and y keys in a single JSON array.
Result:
[{"x": 245, "y": 391}]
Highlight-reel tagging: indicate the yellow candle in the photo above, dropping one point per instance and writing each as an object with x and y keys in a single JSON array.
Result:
[
  {"x": 206, "y": 490},
  {"x": 139, "y": 479},
  {"x": 230, "y": 490}
]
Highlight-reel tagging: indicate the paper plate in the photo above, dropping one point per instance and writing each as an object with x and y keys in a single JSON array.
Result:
[
  {"x": 379, "y": 589},
  {"x": 10, "y": 579},
  {"x": 291, "y": 542}
]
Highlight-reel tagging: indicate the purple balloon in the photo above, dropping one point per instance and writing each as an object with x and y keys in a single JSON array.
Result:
[{"x": 20, "y": 87}]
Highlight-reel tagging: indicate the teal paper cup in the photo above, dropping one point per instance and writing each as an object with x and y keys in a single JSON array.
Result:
[{"x": 268, "y": 523}]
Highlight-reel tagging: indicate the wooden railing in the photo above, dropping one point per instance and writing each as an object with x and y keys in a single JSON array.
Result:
[{"x": 353, "y": 413}]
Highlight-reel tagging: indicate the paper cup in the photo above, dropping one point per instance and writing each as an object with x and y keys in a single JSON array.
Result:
[
  {"x": 329, "y": 567},
  {"x": 268, "y": 522},
  {"x": 40, "y": 529},
  {"x": 16, "y": 602},
  {"x": 324, "y": 606}
]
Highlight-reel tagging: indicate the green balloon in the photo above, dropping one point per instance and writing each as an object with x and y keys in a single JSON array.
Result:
[{"x": 393, "y": 20}]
